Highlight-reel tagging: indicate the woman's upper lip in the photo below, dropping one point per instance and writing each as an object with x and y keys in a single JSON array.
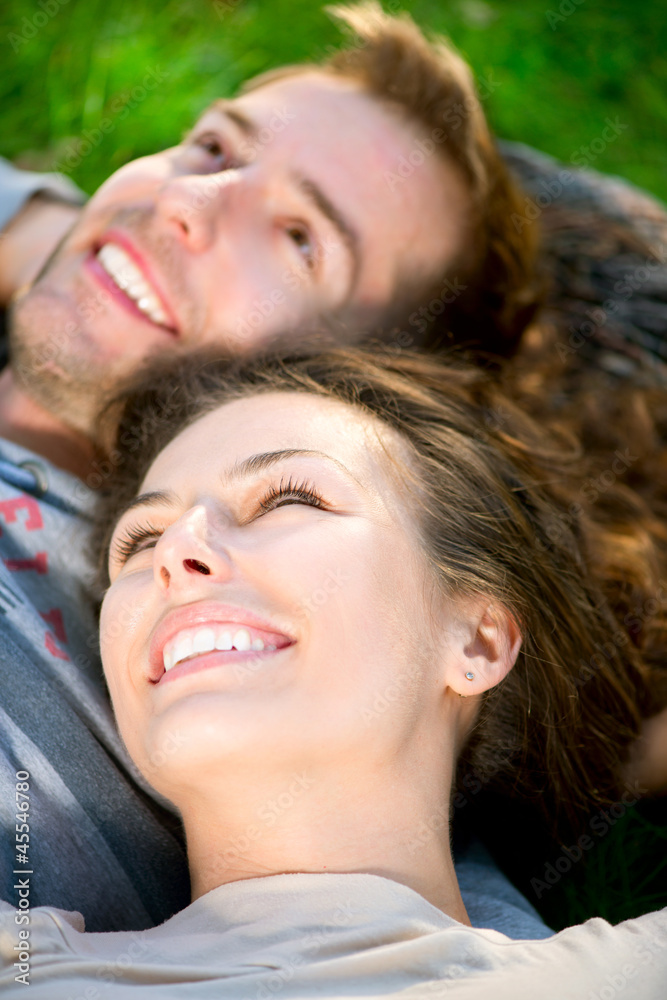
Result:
[
  {"x": 122, "y": 240},
  {"x": 205, "y": 613}
]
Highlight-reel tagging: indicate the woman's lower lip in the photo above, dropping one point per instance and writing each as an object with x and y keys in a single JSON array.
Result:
[
  {"x": 100, "y": 276},
  {"x": 217, "y": 658}
]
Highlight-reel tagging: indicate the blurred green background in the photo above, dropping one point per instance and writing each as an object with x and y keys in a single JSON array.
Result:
[{"x": 561, "y": 68}]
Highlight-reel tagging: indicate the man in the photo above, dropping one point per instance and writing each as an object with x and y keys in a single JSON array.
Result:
[
  {"x": 286, "y": 212},
  {"x": 307, "y": 197}
]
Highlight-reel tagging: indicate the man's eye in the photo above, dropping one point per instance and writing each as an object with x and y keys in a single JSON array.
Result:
[
  {"x": 212, "y": 144},
  {"x": 302, "y": 239}
]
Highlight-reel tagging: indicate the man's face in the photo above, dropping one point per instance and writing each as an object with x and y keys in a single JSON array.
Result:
[{"x": 296, "y": 200}]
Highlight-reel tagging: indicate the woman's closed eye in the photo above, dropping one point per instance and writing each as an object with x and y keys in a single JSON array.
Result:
[
  {"x": 133, "y": 540},
  {"x": 138, "y": 538},
  {"x": 291, "y": 493}
]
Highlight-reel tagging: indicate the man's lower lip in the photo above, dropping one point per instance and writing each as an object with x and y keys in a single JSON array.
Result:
[
  {"x": 95, "y": 269},
  {"x": 207, "y": 661}
]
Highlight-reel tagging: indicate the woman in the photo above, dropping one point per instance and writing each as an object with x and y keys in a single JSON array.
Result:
[{"x": 333, "y": 585}]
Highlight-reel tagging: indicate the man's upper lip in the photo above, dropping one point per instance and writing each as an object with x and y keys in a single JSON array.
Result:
[
  {"x": 204, "y": 613},
  {"x": 122, "y": 240}
]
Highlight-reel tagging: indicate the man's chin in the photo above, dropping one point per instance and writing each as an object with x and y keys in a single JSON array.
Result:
[
  {"x": 52, "y": 369},
  {"x": 41, "y": 316}
]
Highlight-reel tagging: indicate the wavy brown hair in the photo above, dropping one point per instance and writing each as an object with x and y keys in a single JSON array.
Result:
[
  {"x": 502, "y": 514},
  {"x": 497, "y": 290}
]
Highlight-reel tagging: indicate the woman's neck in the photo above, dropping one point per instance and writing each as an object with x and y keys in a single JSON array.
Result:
[{"x": 310, "y": 825}]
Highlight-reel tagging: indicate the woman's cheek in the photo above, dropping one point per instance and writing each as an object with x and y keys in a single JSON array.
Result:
[{"x": 124, "y": 622}]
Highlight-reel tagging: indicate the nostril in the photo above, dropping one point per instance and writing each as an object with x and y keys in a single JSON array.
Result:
[
  {"x": 164, "y": 573},
  {"x": 197, "y": 567}
]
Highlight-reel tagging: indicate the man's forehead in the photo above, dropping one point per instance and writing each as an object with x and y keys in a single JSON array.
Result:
[{"x": 308, "y": 88}]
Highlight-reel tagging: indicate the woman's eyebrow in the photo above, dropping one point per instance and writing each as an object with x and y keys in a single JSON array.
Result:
[
  {"x": 265, "y": 460},
  {"x": 240, "y": 470},
  {"x": 165, "y": 497}
]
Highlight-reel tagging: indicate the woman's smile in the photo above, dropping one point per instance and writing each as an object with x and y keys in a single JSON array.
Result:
[{"x": 203, "y": 635}]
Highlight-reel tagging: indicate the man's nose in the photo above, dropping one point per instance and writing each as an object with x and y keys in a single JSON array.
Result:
[
  {"x": 193, "y": 205},
  {"x": 190, "y": 549}
]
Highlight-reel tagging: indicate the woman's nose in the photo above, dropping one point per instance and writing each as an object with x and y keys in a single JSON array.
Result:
[{"x": 186, "y": 551}]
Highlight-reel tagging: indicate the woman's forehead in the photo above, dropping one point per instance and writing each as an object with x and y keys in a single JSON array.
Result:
[{"x": 284, "y": 422}]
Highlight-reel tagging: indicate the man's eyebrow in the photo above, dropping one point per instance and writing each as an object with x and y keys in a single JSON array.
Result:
[
  {"x": 229, "y": 110},
  {"x": 165, "y": 497},
  {"x": 265, "y": 460},
  {"x": 244, "y": 122}
]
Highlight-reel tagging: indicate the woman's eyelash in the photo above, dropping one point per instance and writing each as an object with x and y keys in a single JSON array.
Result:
[
  {"x": 289, "y": 491},
  {"x": 133, "y": 540}
]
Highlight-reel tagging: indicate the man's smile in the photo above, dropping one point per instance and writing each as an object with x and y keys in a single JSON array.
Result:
[{"x": 125, "y": 274}]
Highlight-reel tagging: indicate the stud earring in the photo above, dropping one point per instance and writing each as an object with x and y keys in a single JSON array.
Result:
[{"x": 470, "y": 676}]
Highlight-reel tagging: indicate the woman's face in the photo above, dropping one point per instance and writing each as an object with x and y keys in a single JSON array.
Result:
[{"x": 270, "y": 605}]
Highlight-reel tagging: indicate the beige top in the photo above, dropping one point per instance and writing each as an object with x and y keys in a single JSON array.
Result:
[{"x": 304, "y": 936}]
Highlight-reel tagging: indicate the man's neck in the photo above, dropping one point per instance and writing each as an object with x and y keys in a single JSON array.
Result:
[{"x": 26, "y": 423}]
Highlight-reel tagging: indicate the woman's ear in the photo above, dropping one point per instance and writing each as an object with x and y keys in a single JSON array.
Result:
[{"x": 488, "y": 651}]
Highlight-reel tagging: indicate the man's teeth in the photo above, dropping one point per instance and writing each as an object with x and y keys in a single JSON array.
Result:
[
  {"x": 121, "y": 268},
  {"x": 206, "y": 640}
]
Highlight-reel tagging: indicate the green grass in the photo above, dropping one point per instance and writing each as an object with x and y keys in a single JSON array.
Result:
[
  {"x": 616, "y": 869},
  {"x": 556, "y": 83},
  {"x": 622, "y": 876}
]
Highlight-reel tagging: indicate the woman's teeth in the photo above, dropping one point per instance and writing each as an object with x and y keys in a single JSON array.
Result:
[
  {"x": 194, "y": 642},
  {"x": 124, "y": 272}
]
